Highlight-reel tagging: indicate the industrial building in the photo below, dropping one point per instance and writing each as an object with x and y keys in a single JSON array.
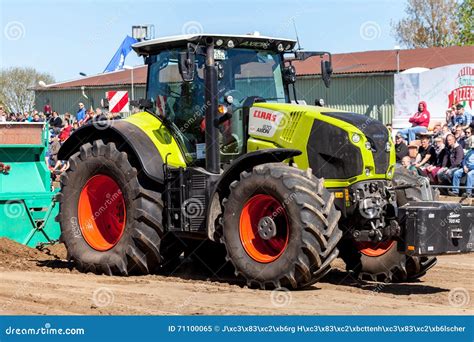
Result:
[{"x": 362, "y": 82}]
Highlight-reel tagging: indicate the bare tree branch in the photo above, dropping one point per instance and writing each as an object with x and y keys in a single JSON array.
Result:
[{"x": 16, "y": 94}]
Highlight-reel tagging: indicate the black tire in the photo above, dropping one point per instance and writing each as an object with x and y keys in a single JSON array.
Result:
[
  {"x": 391, "y": 266},
  {"x": 312, "y": 222},
  {"x": 138, "y": 249},
  {"x": 404, "y": 177},
  {"x": 416, "y": 267},
  {"x": 388, "y": 267}
]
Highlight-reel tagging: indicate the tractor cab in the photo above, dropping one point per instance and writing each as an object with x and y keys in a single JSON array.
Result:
[{"x": 245, "y": 69}]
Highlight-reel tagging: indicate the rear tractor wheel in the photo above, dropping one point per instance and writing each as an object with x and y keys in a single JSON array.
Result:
[
  {"x": 109, "y": 222},
  {"x": 280, "y": 227}
]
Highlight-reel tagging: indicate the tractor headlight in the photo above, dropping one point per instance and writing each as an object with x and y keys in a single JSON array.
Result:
[
  {"x": 280, "y": 47},
  {"x": 367, "y": 172},
  {"x": 230, "y": 44},
  {"x": 219, "y": 42},
  {"x": 387, "y": 147},
  {"x": 355, "y": 138},
  {"x": 368, "y": 145}
]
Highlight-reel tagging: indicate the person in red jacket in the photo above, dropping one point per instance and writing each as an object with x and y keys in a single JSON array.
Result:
[{"x": 419, "y": 123}]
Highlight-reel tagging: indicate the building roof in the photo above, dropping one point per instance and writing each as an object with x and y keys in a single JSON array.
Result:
[
  {"x": 384, "y": 61},
  {"x": 121, "y": 77},
  {"x": 239, "y": 41}
]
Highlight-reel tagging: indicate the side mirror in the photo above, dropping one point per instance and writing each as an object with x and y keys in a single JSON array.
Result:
[
  {"x": 289, "y": 74},
  {"x": 326, "y": 72},
  {"x": 186, "y": 64}
]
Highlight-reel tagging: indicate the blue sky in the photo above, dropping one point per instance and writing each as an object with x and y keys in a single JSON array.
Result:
[{"x": 68, "y": 37}]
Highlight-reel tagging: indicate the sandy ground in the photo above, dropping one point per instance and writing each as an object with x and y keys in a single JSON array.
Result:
[{"x": 34, "y": 282}]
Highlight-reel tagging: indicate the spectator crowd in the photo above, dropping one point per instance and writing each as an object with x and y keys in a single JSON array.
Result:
[
  {"x": 443, "y": 152},
  {"x": 60, "y": 128}
]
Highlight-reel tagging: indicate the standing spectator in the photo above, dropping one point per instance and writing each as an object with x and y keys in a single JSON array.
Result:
[
  {"x": 420, "y": 122},
  {"x": 27, "y": 117},
  {"x": 462, "y": 118},
  {"x": 75, "y": 126},
  {"x": 452, "y": 160},
  {"x": 81, "y": 114},
  {"x": 37, "y": 118},
  {"x": 47, "y": 109},
  {"x": 88, "y": 118},
  {"x": 65, "y": 131},
  {"x": 55, "y": 122},
  {"x": 436, "y": 161},
  {"x": 401, "y": 148},
  {"x": 98, "y": 115},
  {"x": 53, "y": 150},
  {"x": 467, "y": 168}
]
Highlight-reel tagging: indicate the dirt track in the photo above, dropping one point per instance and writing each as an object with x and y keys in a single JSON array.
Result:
[{"x": 34, "y": 282}]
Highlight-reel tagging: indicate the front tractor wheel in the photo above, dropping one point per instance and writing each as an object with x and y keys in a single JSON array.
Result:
[
  {"x": 280, "y": 227},
  {"x": 109, "y": 223},
  {"x": 383, "y": 262}
]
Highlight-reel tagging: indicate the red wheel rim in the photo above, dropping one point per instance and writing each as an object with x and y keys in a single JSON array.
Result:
[
  {"x": 375, "y": 249},
  {"x": 259, "y": 249},
  {"x": 101, "y": 212}
]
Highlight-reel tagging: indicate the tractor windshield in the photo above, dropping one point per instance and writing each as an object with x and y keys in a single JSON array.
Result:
[
  {"x": 242, "y": 73},
  {"x": 251, "y": 73}
]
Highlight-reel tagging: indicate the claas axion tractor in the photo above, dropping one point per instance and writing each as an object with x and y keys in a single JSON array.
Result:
[{"x": 222, "y": 154}]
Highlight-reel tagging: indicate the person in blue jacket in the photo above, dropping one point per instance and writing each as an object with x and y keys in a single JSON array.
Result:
[
  {"x": 81, "y": 114},
  {"x": 467, "y": 167}
]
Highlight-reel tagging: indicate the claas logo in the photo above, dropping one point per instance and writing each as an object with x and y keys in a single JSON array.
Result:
[{"x": 264, "y": 115}]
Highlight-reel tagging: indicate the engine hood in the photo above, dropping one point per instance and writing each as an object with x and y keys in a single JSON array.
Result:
[{"x": 337, "y": 144}]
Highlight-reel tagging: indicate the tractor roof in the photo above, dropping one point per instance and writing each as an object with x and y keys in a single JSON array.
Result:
[{"x": 240, "y": 41}]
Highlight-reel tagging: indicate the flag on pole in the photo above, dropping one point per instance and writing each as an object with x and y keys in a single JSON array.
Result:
[{"x": 118, "y": 60}]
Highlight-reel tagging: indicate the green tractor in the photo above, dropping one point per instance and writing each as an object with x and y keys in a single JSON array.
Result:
[{"x": 222, "y": 155}]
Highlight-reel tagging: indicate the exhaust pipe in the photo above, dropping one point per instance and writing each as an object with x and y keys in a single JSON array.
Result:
[{"x": 212, "y": 130}]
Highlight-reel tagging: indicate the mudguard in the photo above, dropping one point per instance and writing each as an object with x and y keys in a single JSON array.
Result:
[{"x": 127, "y": 136}]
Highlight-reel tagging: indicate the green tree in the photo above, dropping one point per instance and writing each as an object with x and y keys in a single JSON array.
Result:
[
  {"x": 428, "y": 23},
  {"x": 465, "y": 34},
  {"x": 16, "y": 87}
]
